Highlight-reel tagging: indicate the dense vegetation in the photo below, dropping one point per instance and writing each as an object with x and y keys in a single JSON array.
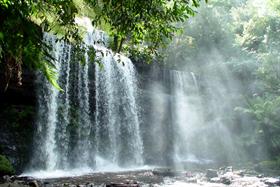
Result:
[
  {"x": 17, "y": 127},
  {"x": 22, "y": 24},
  {"x": 136, "y": 27},
  {"x": 239, "y": 40},
  {"x": 242, "y": 37},
  {"x": 5, "y": 166}
]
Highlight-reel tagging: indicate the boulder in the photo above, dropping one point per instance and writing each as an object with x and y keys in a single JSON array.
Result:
[
  {"x": 241, "y": 173},
  {"x": 122, "y": 185},
  {"x": 33, "y": 183},
  {"x": 192, "y": 180},
  {"x": 215, "y": 180},
  {"x": 229, "y": 169},
  {"x": 225, "y": 180},
  {"x": 272, "y": 181},
  {"x": 211, "y": 173},
  {"x": 5, "y": 179},
  {"x": 165, "y": 172}
]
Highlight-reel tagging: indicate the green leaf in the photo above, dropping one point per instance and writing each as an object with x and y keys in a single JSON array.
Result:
[
  {"x": 51, "y": 75},
  {"x": 1, "y": 35}
]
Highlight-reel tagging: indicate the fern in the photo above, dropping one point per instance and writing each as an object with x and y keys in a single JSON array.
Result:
[{"x": 51, "y": 74}]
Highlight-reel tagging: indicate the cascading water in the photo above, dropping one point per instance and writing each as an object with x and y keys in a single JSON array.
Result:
[
  {"x": 95, "y": 119},
  {"x": 183, "y": 124},
  {"x": 49, "y": 121},
  {"x": 174, "y": 114},
  {"x": 185, "y": 113},
  {"x": 117, "y": 127},
  {"x": 95, "y": 123}
]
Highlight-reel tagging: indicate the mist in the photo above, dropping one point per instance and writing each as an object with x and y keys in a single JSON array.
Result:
[{"x": 213, "y": 83}]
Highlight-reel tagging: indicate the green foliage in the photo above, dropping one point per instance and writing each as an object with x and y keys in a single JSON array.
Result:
[
  {"x": 265, "y": 110},
  {"x": 248, "y": 45},
  {"x": 204, "y": 34},
  {"x": 257, "y": 32},
  {"x": 6, "y": 167},
  {"x": 21, "y": 26},
  {"x": 275, "y": 5},
  {"x": 17, "y": 122},
  {"x": 269, "y": 166},
  {"x": 242, "y": 39},
  {"x": 17, "y": 118},
  {"x": 143, "y": 25}
]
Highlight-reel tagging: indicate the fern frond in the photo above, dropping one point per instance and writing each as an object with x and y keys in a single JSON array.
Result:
[{"x": 51, "y": 75}]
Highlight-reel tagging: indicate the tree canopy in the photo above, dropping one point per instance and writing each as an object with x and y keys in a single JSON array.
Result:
[
  {"x": 138, "y": 24},
  {"x": 246, "y": 43},
  {"x": 22, "y": 24}
]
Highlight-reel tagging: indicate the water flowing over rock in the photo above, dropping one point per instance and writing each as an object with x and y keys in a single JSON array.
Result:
[
  {"x": 113, "y": 116},
  {"x": 96, "y": 116},
  {"x": 185, "y": 120}
]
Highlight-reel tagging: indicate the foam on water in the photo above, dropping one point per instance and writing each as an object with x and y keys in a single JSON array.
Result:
[
  {"x": 44, "y": 174},
  {"x": 103, "y": 167},
  {"x": 86, "y": 128}
]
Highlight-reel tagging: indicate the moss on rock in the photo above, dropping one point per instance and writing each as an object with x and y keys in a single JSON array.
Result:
[{"x": 6, "y": 167}]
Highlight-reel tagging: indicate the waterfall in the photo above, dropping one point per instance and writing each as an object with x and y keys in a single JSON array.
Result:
[
  {"x": 49, "y": 122},
  {"x": 174, "y": 116},
  {"x": 186, "y": 119},
  {"x": 117, "y": 129},
  {"x": 185, "y": 112},
  {"x": 95, "y": 119},
  {"x": 105, "y": 121}
]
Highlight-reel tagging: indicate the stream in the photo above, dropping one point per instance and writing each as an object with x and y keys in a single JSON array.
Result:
[{"x": 157, "y": 177}]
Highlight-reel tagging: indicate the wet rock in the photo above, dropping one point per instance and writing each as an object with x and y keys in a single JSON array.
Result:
[
  {"x": 241, "y": 173},
  {"x": 272, "y": 181},
  {"x": 122, "y": 185},
  {"x": 229, "y": 169},
  {"x": 252, "y": 172},
  {"x": 225, "y": 180},
  {"x": 260, "y": 176},
  {"x": 23, "y": 178},
  {"x": 14, "y": 184},
  {"x": 90, "y": 185},
  {"x": 164, "y": 172},
  {"x": 13, "y": 178},
  {"x": 215, "y": 180},
  {"x": 148, "y": 174},
  {"x": 192, "y": 180},
  {"x": 33, "y": 184},
  {"x": 15, "y": 181},
  {"x": 6, "y": 178},
  {"x": 211, "y": 173},
  {"x": 189, "y": 174},
  {"x": 80, "y": 185}
]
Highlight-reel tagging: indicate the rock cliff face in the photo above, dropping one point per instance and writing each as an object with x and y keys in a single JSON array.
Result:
[
  {"x": 18, "y": 112},
  {"x": 17, "y": 116},
  {"x": 18, "y": 106},
  {"x": 155, "y": 103}
]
